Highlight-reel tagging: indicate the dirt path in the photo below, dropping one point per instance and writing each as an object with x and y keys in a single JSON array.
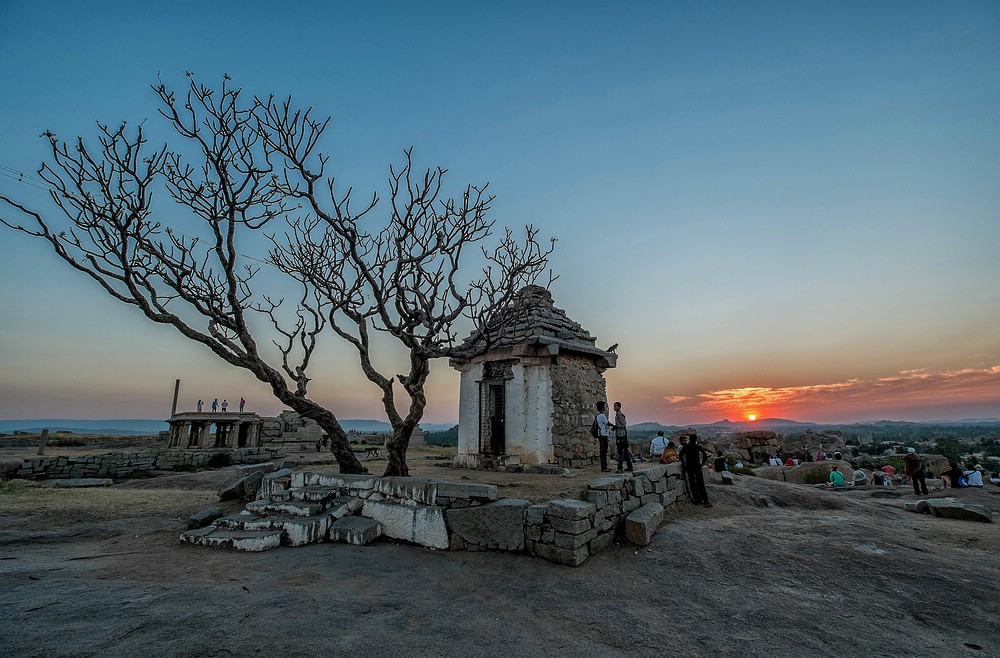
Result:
[{"x": 811, "y": 572}]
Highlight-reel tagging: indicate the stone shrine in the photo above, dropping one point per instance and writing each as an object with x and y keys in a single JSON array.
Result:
[{"x": 530, "y": 398}]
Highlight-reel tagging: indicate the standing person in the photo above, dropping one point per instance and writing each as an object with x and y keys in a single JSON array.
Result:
[
  {"x": 199, "y": 406},
  {"x": 225, "y": 405},
  {"x": 913, "y": 468},
  {"x": 215, "y": 405},
  {"x": 242, "y": 404},
  {"x": 693, "y": 457},
  {"x": 622, "y": 447},
  {"x": 601, "y": 422}
]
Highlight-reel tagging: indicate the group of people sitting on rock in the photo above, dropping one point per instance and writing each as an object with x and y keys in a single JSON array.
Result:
[{"x": 958, "y": 476}]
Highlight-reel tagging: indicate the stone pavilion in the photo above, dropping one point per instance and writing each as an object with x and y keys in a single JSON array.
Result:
[{"x": 530, "y": 398}]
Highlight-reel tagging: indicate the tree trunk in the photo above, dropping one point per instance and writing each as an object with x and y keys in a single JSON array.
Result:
[{"x": 339, "y": 445}]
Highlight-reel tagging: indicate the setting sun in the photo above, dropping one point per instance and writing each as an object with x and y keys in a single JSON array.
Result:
[{"x": 751, "y": 417}]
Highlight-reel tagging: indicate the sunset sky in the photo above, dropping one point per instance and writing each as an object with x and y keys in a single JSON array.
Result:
[{"x": 785, "y": 209}]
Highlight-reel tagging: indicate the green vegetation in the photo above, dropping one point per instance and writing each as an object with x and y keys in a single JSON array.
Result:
[
  {"x": 220, "y": 460},
  {"x": 445, "y": 438}
]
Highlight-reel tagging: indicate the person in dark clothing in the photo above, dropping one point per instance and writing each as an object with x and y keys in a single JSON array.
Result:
[
  {"x": 693, "y": 457},
  {"x": 720, "y": 462},
  {"x": 913, "y": 468}
]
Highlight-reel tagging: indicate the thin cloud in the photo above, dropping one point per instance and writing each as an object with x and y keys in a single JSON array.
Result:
[{"x": 909, "y": 386}]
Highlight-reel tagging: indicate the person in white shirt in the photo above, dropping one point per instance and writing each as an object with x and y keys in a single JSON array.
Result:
[
  {"x": 975, "y": 476},
  {"x": 602, "y": 434},
  {"x": 658, "y": 445}
]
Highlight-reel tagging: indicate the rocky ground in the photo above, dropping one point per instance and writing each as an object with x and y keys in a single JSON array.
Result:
[{"x": 773, "y": 569}]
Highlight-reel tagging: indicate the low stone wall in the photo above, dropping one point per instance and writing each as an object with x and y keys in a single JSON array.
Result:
[
  {"x": 122, "y": 465},
  {"x": 458, "y": 516}
]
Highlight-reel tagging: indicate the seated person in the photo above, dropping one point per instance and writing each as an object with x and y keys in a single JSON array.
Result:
[
  {"x": 836, "y": 479},
  {"x": 789, "y": 462},
  {"x": 995, "y": 477},
  {"x": 657, "y": 446},
  {"x": 860, "y": 478},
  {"x": 879, "y": 478},
  {"x": 670, "y": 454},
  {"x": 975, "y": 476},
  {"x": 889, "y": 470},
  {"x": 953, "y": 478},
  {"x": 720, "y": 463}
]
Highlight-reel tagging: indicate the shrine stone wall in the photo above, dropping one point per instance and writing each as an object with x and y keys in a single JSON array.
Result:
[{"x": 577, "y": 385}]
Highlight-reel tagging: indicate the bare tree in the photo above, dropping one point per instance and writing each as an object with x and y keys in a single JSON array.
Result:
[{"x": 251, "y": 166}]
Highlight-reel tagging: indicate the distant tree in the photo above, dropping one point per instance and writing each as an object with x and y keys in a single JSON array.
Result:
[{"x": 250, "y": 167}]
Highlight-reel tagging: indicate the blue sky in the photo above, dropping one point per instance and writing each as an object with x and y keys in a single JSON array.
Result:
[{"x": 774, "y": 208}]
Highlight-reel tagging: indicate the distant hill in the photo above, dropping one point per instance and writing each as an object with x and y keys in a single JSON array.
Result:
[
  {"x": 138, "y": 426},
  {"x": 143, "y": 426}
]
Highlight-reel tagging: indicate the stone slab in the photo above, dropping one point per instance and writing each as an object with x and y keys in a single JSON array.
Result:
[
  {"x": 467, "y": 491},
  {"x": 609, "y": 482},
  {"x": 641, "y": 524},
  {"x": 570, "y": 558},
  {"x": 570, "y": 509},
  {"x": 204, "y": 517},
  {"x": 953, "y": 509},
  {"x": 498, "y": 525},
  {"x": 356, "y": 530},
  {"x": 419, "y": 490},
  {"x": 655, "y": 473},
  {"x": 419, "y": 524},
  {"x": 252, "y": 541}
]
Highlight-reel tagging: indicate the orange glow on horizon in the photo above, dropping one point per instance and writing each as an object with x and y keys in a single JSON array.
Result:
[{"x": 751, "y": 417}]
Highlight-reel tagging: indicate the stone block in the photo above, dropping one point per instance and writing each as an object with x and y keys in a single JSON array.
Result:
[
  {"x": 204, "y": 517},
  {"x": 571, "y": 558},
  {"x": 674, "y": 470},
  {"x": 953, "y": 509},
  {"x": 599, "y": 498},
  {"x": 313, "y": 494},
  {"x": 419, "y": 524},
  {"x": 245, "y": 470},
  {"x": 918, "y": 506},
  {"x": 498, "y": 525},
  {"x": 344, "y": 506},
  {"x": 655, "y": 473},
  {"x": 275, "y": 481},
  {"x": 568, "y": 541},
  {"x": 344, "y": 481},
  {"x": 642, "y": 523},
  {"x": 570, "y": 509},
  {"x": 355, "y": 530},
  {"x": 419, "y": 490},
  {"x": 608, "y": 482},
  {"x": 574, "y": 527},
  {"x": 630, "y": 505},
  {"x": 306, "y": 530},
  {"x": 244, "y": 488},
  {"x": 467, "y": 491},
  {"x": 650, "y": 498},
  {"x": 240, "y": 540},
  {"x": 600, "y": 542},
  {"x": 727, "y": 477}
]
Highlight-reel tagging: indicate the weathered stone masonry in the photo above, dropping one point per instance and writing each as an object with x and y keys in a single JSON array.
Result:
[
  {"x": 120, "y": 465},
  {"x": 299, "y": 508}
]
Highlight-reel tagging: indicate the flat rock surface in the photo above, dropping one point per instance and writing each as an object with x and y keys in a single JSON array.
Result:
[{"x": 117, "y": 582}]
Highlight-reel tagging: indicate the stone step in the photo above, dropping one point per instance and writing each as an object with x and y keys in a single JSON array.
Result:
[
  {"x": 356, "y": 530},
  {"x": 241, "y": 540},
  {"x": 295, "y": 531},
  {"x": 284, "y": 508},
  {"x": 320, "y": 495}
]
